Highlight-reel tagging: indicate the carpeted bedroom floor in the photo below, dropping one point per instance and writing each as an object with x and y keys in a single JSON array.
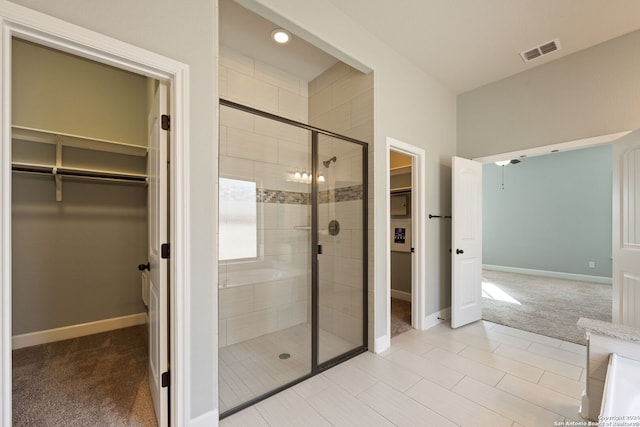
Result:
[
  {"x": 543, "y": 305},
  {"x": 97, "y": 380}
]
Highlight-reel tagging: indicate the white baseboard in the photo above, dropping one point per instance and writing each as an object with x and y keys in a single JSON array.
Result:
[
  {"x": 74, "y": 331},
  {"x": 401, "y": 295},
  {"x": 436, "y": 318},
  {"x": 584, "y": 406},
  {"x": 381, "y": 344},
  {"x": 208, "y": 419},
  {"x": 555, "y": 274}
]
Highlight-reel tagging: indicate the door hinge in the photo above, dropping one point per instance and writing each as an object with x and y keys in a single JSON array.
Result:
[
  {"x": 165, "y": 122},
  {"x": 165, "y": 379},
  {"x": 165, "y": 250}
]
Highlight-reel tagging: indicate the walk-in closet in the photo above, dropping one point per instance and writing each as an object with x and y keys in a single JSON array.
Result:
[{"x": 79, "y": 233}]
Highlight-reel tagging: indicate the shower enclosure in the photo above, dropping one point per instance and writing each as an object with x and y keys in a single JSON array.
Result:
[{"x": 293, "y": 253}]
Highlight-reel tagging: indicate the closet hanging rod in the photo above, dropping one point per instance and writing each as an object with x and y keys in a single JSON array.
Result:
[
  {"x": 92, "y": 178},
  {"x": 76, "y": 172}
]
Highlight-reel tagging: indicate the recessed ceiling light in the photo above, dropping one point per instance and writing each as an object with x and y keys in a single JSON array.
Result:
[{"x": 280, "y": 36}]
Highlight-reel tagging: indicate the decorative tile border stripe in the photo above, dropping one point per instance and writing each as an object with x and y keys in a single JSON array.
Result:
[
  {"x": 286, "y": 197},
  {"x": 345, "y": 194}
]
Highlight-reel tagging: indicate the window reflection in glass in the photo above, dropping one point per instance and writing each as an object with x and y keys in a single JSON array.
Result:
[{"x": 238, "y": 219}]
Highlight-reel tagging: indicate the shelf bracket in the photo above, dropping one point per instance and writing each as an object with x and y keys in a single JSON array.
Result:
[
  {"x": 58, "y": 180},
  {"x": 57, "y": 177}
]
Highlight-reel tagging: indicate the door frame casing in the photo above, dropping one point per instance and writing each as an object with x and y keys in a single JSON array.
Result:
[
  {"x": 418, "y": 234},
  {"x": 18, "y": 21}
]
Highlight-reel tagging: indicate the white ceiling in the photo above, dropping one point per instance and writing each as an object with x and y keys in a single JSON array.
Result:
[{"x": 463, "y": 43}]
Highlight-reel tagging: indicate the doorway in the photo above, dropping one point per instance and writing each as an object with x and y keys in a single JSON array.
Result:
[
  {"x": 79, "y": 229},
  {"x": 618, "y": 195},
  {"x": 293, "y": 253},
  {"x": 560, "y": 204},
  {"x": 407, "y": 158},
  {"x": 400, "y": 172}
]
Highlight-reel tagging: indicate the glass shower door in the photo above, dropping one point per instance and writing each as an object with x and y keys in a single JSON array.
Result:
[
  {"x": 264, "y": 285},
  {"x": 341, "y": 274},
  {"x": 292, "y": 253}
]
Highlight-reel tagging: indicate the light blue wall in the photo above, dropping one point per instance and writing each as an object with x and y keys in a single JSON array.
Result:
[{"x": 554, "y": 213}]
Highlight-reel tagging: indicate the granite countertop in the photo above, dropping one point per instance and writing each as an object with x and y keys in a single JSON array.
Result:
[{"x": 622, "y": 332}]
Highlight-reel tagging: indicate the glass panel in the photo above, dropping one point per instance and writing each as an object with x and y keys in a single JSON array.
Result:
[
  {"x": 238, "y": 210},
  {"x": 340, "y": 228},
  {"x": 264, "y": 266}
]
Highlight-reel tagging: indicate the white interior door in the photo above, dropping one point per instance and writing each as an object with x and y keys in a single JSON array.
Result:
[
  {"x": 466, "y": 242},
  {"x": 626, "y": 230},
  {"x": 157, "y": 218}
]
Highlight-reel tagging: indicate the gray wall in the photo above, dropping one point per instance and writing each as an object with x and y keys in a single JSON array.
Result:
[
  {"x": 61, "y": 92},
  {"x": 589, "y": 93},
  {"x": 554, "y": 213},
  {"x": 401, "y": 271},
  {"x": 75, "y": 261},
  {"x": 400, "y": 181}
]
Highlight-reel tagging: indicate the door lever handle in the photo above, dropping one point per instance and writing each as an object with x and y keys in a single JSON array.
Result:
[
  {"x": 143, "y": 267},
  {"x": 459, "y": 251}
]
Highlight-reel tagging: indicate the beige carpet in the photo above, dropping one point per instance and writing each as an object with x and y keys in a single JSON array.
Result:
[
  {"x": 543, "y": 305},
  {"x": 400, "y": 316},
  {"x": 97, "y": 380}
]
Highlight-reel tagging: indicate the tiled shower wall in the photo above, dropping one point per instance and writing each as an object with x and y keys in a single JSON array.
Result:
[
  {"x": 268, "y": 293},
  {"x": 341, "y": 100},
  {"x": 249, "y": 82}
]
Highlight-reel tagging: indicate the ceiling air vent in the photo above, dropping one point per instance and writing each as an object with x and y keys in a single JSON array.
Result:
[{"x": 538, "y": 51}]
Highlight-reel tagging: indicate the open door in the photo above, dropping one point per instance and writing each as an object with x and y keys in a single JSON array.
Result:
[
  {"x": 466, "y": 242},
  {"x": 626, "y": 230},
  {"x": 158, "y": 229}
]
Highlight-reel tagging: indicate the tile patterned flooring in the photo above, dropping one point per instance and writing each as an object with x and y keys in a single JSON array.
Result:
[{"x": 479, "y": 375}]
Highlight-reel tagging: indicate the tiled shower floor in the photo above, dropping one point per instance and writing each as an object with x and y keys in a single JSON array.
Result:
[{"x": 251, "y": 368}]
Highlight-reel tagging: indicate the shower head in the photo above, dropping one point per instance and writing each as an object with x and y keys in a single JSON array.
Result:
[{"x": 326, "y": 163}]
